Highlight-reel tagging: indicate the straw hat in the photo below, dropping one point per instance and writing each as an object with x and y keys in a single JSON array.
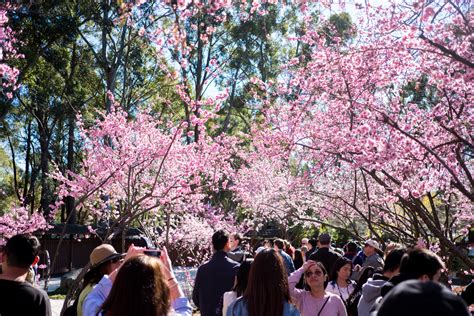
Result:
[{"x": 103, "y": 253}]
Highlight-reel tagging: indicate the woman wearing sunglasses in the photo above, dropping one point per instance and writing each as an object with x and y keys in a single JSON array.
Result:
[
  {"x": 104, "y": 259},
  {"x": 314, "y": 300}
]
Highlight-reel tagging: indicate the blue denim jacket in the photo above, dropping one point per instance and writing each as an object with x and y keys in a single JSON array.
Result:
[{"x": 239, "y": 308}]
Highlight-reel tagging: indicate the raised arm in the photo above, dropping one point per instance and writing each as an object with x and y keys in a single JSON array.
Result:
[
  {"x": 95, "y": 299},
  {"x": 179, "y": 301}
]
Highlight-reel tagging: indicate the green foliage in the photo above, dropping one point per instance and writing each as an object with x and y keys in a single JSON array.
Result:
[
  {"x": 7, "y": 193},
  {"x": 339, "y": 27},
  {"x": 420, "y": 93}
]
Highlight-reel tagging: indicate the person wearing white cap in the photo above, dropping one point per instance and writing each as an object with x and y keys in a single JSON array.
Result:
[
  {"x": 372, "y": 251},
  {"x": 104, "y": 259}
]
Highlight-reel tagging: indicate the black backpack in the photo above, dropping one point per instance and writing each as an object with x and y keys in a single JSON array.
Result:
[
  {"x": 352, "y": 302},
  {"x": 72, "y": 310}
]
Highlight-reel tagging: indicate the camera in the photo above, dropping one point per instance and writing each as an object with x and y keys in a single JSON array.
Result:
[{"x": 153, "y": 253}]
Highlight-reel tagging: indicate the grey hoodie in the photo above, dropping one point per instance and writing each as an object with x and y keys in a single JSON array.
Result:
[{"x": 370, "y": 293}]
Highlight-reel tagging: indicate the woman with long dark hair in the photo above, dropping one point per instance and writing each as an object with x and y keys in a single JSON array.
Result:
[
  {"x": 143, "y": 285},
  {"x": 340, "y": 282},
  {"x": 314, "y": 300},
  {"x": 267, "y": 291},
  {"x": 241, "y": 281},
  {"x": 299, "y": 258}
]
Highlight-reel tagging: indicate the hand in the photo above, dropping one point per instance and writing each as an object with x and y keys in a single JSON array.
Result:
[
  {"x": 308, "y": 264},
  {"x": 133, "y": 251},
  {"x": 357, "y": 268}
]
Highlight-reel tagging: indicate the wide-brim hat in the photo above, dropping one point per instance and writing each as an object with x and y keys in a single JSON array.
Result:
[{"x": 103, "y": 253}]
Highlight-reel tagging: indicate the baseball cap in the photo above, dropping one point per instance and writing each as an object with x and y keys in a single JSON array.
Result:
[{"x": 373, "y": 243}]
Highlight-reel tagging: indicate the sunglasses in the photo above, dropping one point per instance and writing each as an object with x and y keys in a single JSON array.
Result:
[
  {"x": 115, "y": 260},
  {"x": 309, "y": 274}
]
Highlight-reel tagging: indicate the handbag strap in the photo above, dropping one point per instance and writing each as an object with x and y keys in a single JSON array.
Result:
[{"x": 325, "y": 302}]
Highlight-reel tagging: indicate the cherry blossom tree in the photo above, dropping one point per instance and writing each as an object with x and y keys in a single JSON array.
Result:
[
  {"x": 135, "y": 166},
  {"x": 140, "y": 171},
  {"x": 8, "y": 73},
  {"x": 20, "y": 221},
  {"x": 393, "y": 105}
]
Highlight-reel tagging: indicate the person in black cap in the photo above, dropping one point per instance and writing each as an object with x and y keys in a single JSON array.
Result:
[
  {"x": 418, "y": 298},
  {"x": 325, "y": 254}
]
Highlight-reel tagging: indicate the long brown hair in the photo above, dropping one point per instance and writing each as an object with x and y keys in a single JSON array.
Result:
[
  {"x": 267, "y": 288},
  {"x": 139, "y": 289}
]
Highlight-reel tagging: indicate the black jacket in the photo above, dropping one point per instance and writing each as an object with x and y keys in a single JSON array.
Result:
[
  {"x": 213, "y": 279},
  {"x": 326, "y": 256}
]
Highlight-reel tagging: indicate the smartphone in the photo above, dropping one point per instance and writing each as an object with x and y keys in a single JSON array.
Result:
[{"x": 153, "y": 252}]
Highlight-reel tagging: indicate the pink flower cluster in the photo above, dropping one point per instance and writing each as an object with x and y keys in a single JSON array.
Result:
[{"x": 8, "y": 74}]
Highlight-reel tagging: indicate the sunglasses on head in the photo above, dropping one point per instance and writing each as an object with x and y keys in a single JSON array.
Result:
[{"x": 309, "y": 274}]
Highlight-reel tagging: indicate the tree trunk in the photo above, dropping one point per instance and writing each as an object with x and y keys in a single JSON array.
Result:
[
  {"x": 26, "y": 196},
  {"x": 70, "y": 210},
  {"x": 45, "y": 199}
]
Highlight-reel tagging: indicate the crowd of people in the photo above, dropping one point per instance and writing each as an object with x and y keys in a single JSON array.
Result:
[
  {"x": 275, "y": 279},
  {"x": 317, "y": 279}
]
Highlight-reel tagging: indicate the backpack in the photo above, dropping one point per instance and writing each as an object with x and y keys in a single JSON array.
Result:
[
  {"x": 352, "y": 302},
  {"x": 72, "y": 310}
]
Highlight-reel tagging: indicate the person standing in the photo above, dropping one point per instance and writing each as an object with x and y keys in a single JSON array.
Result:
[
  {"x": 215, "y": 277},
  {"x": 374, "y": 255},
  {"x": 241, "y": 281},
  {"x": 18, "y": 297},
  {"x": 371, "y": 290},
  {"x": 267, "y": 291},
  {"x": 325, "y": 254},
  {"x": 279, "y": 245},
  {"x": 315, "y": 301},
  {"x": 304, "y": 242},
  {"x": 143, "y": 285},
  {"x": 236, "y": 253},
  {"x": 312, "y": 247},
  {"x": 299, "y": 259},
  {"x": 104, "y": 259},
  {"x": 340, "y": 282}
]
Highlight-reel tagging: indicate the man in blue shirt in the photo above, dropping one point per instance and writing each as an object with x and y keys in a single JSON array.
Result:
[{"x": 279, "y": 245}]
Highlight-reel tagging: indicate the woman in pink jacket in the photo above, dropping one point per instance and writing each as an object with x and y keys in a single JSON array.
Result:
[{"x": 314, "y": 300}]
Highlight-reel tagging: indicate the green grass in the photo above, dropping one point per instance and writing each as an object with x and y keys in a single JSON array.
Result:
[{"x": 57, "y": 296}]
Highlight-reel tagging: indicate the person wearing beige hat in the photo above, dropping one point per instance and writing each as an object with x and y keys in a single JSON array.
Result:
[
  {"x": 144, "y": 285},
  {"x": 373, "y": 252},
  {"x": 103, "y": 259}
]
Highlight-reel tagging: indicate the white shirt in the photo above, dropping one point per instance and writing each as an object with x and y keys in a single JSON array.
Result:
[
  {"x": 229, "y": 298},
  {"x": 342, "y": 292}
]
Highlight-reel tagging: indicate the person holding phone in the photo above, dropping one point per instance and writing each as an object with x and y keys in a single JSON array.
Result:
[
  {"x": 103, "y": 259},
  {"x": 142, "y": 285}
]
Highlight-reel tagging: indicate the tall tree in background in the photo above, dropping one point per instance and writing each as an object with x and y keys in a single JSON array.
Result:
[{"x": 354, "y": 115}]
